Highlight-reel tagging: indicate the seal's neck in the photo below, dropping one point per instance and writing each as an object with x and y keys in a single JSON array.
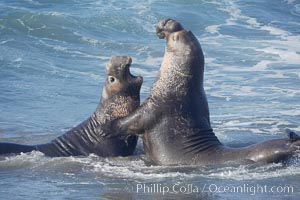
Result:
[
  {"x": 178, "y": 76},
  {"x": 116, "y": 106}
]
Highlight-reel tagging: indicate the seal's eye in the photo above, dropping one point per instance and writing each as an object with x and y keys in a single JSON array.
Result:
[{"x": 111, "y": 79}]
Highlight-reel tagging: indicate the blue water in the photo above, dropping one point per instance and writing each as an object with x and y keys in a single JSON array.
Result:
[{"x": 52, "y": 58}]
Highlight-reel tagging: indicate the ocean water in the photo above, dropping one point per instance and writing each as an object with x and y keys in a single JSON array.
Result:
[{"x": 52, "y": 58}]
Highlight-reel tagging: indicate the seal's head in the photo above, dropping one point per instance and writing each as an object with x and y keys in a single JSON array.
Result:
[
  {"x": 119, "y": 79},
  {"x": 179, "y": 40},
  {"x": 183, "y": 51},
  {"x": 120, "y": 97}
]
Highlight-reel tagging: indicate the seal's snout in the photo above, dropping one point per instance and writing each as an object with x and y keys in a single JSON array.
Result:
[
  {"x": 129, "y": 60},
  {"x": 125, "y": 61},
  {"x": 160, "y": 28},
  {"x": 166, "y": 27}
]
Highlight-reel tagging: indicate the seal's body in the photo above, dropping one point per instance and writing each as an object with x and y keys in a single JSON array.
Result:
[
  {"x": 119, "y": 98},
  {"x": 174, "y": 120}
]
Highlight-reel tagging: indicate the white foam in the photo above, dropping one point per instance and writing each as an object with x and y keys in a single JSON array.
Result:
[
  {"x": 262, "y": 65},
  {"x": 138, "y": 171},
  {"x": 294, "y": 112},
  {"x": 33, "y": 2},
  {"x": 243, "y": 172},
  {"x": 284, "y": 91},
  {"x": 89, "y": 40},
  {"x": 22, "y": 160},
  {"x": 212, "y": 29},
  {"x": 283, "y": 55},
  {"x": 66, "y": 49},
  {"x": 55, "y": 13},
  {"x": 273, "y": 30},
  {"x": 18, "y": 60},
  {"x": 6, "y": 41},
  {"x": 253, "y": 22},
  {"x": 284, "y": 50},
  {"x": 135, "y": 168},
  {"x": 277, "y": 74}
]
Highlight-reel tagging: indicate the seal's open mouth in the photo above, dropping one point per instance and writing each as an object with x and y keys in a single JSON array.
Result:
[{"x": 131, "y": 78}]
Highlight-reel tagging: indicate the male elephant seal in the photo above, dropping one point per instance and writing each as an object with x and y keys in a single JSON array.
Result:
[
  {"x": 174, "y": 119},
  {"x": 121, "y": 96}
]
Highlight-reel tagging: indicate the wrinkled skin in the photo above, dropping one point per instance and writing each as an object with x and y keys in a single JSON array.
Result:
[
  {"x": 121, "y": 96},
  {"x": 174, "y": 120}
]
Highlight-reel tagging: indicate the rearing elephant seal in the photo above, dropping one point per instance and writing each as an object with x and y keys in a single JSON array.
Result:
[
  {"x": 174, "y": 119},
  {"x": 121, "y": 96}
]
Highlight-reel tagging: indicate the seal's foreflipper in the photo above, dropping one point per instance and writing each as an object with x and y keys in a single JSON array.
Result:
[{"x": 292, "y": 135}]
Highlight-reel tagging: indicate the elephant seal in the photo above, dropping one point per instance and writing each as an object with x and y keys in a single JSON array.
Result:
[
  {"x": 174, "y": 120},
  {"x": 120, "y": 96}
]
